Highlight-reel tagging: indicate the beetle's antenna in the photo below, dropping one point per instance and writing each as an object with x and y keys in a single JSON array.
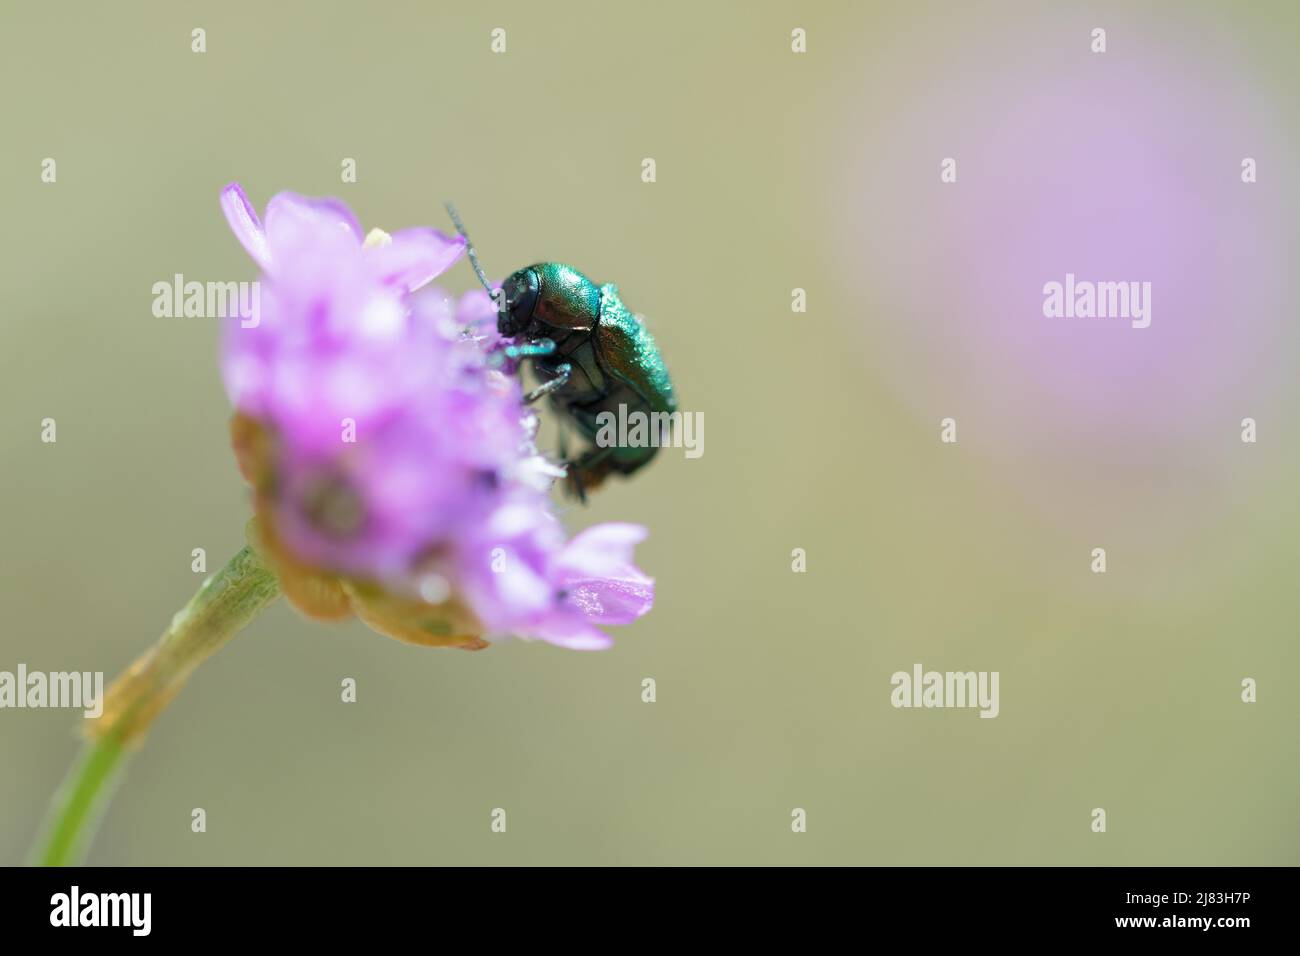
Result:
[{"x": 469, "y": 248}]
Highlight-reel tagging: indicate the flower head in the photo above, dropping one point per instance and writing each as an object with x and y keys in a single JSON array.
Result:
[{"x": 391, "y": 456}]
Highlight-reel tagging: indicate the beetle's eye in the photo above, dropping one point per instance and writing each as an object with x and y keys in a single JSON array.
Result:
[{"x": 520, "y": 298}]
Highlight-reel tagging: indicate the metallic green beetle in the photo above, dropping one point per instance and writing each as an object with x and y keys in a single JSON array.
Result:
[{"x": 592, "y": 355}]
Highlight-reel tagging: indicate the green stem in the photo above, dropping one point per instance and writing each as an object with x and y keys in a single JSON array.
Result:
[
  {"x": 223, "y": 606},
  {"x": 79, "y": 804}
]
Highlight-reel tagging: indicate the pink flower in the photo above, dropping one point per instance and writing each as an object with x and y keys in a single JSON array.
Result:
[{"x": 389, "y": 447}]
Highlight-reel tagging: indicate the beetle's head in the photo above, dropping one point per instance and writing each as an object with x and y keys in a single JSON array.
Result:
[{"x": 517, "y": 302}]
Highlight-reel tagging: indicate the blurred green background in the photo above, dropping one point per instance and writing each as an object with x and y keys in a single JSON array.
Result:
[{"x": 1118, "y": 691}]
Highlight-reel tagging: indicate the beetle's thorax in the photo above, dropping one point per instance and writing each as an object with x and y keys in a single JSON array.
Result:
[{"x": 566, "y": 299}]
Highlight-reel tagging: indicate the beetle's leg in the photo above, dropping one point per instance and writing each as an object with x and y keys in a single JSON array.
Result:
[
  {"x": 573, "y": 476},
  {"x": 593, "y": 457},
  {"x": 587, "y": 460},
  {"x": 532, "y": 350},
  {"x": 561, "y": 379},
  {"x": 576, "y": 480},
  {"x": 563, "y": 442}
]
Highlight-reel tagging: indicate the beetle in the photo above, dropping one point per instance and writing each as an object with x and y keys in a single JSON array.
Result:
[{"x": 593, "y": 356}]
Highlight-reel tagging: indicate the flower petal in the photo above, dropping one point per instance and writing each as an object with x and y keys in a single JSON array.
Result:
[
  {"x": 415, "y": 257},
  {"x": 245, "y": 225},
  {"x": 478, "y": 309},
  {"x": 294, "y": 222},
  {"x": 612, "y": 600},
  {"x": 577, "y": 638},
  {"x": 602, "y": 550}
]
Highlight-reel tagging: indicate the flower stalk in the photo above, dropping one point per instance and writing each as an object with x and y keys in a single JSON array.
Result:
[
  {"x": 394, "y": 472},
  {"x": 222, "y": 607}
]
